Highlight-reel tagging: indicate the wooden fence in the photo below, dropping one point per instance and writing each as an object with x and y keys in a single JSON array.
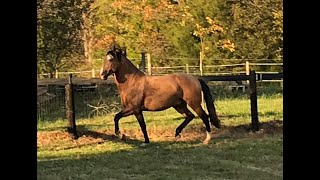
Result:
[
  {"x": 147, "y": 66},
  {"x": 186, "y": 69},
  {"x": 252, "y": 78}
]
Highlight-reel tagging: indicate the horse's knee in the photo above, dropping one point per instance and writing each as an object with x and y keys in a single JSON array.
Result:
[
  {"x": 190, "y": 115},
  {"x": 117, "y": 117}
]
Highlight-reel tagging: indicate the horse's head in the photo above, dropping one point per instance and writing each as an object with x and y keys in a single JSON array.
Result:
[{"x": 112, "y": 62}]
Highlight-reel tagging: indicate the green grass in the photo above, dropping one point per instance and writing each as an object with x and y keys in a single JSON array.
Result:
[{"x": 232, "y": 154}]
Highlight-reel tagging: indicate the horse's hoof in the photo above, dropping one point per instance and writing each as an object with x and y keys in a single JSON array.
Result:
[
  {"x": 123, "y": 137},
  {"x": 178, "y": 137},
  {"x": 208, "y": 138},
  {"x": 206, "y": 142},
  {"x": 120, "y": 136},
  {"x": 144, "y": 144},
  {"x": 117, "y": 133}
]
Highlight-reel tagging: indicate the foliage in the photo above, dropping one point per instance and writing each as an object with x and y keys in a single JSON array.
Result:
[
  {"x": 58, "y": 32},
  {"x": 255, "y": 27},
  {"x": 233, "y": 29}
]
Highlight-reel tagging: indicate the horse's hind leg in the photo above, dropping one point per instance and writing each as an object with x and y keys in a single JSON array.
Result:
[
  {"x": 204, "y": 117},
  {"x": 183, "y": 109}
]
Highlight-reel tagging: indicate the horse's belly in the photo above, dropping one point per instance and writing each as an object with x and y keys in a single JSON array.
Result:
[{"x": 160, "y": 102}]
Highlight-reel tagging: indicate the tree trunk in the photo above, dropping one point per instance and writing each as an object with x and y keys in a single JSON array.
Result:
[
  {"x": 87, "y": 38},
  {"x": 50, "y": 75},
  {"x": 201, "y": 55}
]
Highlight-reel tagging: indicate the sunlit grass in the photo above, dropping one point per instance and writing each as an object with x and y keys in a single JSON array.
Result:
[{"x": 237, "y": 155}]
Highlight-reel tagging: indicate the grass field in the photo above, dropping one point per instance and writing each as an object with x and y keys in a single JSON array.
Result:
[{"x": 233, "y": 153}]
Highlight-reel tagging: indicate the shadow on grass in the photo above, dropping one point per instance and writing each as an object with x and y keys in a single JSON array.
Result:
[
  {"x": 83, "y": 131},
  {"x": 268, "y": 113},
  {"x": 230, "y": 156}
]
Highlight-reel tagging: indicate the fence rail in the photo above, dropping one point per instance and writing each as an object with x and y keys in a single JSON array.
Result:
[
  {"x": 220, "y": 69},
  {"x": 145, "y": 64}
]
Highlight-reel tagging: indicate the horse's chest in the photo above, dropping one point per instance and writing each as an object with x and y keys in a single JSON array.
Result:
[{"x": 130, "y": 97}]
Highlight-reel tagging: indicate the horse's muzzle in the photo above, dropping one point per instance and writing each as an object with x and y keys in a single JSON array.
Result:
[{"x": 104, "y": 75}]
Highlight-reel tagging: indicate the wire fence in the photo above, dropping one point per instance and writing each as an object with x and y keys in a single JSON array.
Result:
[
  {"x": 90, "y": 101},
  {"x": 103, "y": 99}
]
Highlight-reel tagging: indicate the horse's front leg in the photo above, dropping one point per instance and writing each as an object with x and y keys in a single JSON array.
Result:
[
  {"x": 118, "y": 116},
  {"x": 143, "y": 127}
]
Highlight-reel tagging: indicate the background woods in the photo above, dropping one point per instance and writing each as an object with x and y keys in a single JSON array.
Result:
[
  {"x": 80, "y": 30},
  {"x": 222, "y": 40}
]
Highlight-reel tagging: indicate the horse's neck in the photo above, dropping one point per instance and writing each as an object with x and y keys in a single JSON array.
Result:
[{"x": 127, "y": 73}]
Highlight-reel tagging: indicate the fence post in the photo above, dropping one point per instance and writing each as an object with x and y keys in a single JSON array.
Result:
[
  {"x": 253, "y": 101},
  {"x": 70, "y": 109},
  {"x": 57, "y": 74},
  {"x": 93, "y": 73},
  {"x": 201, "y": 63},
  {"x": 149, "y": 64},
  {"x": 143, "y": 61},
  {"x": 247, "y": 69},
  {"x": 187, "y": 68}
]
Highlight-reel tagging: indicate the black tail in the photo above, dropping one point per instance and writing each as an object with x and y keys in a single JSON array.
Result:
[{"x": 210, "y": 104}]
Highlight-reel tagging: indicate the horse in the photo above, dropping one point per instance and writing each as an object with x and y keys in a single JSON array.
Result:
[{"x": 140, "y": 92}]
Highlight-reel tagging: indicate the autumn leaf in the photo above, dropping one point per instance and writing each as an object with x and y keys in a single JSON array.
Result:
[{"x": 227, "y": 44}]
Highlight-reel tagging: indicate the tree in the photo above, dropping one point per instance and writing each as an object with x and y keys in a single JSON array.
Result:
[
  {"x": 255, "y": 26},
  {"x": 136, "y": 24},
  {"x": 219, "y": 29},
  {"x": 58, "y": 32}
]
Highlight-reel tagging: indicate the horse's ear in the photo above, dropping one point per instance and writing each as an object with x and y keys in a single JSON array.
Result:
[
  {"x": 118, "y": 53},
  {"x": 124, "y": 51},
  {"x": 114, "y": 47}
]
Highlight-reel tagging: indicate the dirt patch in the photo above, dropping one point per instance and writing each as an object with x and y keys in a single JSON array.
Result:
[
  {"x": 58, "y": 140},
  {"x": 271, "y": 127}
]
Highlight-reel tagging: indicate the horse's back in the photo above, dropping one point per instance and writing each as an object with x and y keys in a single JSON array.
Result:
[
  {"x": 186, "y": 79},
  {"x": 176, "y": 86},
  {"x": 176, "y": 79}
]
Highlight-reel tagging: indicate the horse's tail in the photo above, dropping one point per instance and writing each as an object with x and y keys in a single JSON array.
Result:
[{"x": 210, "y": 104}]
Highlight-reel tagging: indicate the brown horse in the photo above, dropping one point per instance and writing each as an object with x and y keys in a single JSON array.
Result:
[{"x": 140, "y": 93}]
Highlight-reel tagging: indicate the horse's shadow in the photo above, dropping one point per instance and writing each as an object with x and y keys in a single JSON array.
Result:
[{"x": 82, "y": 131}]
